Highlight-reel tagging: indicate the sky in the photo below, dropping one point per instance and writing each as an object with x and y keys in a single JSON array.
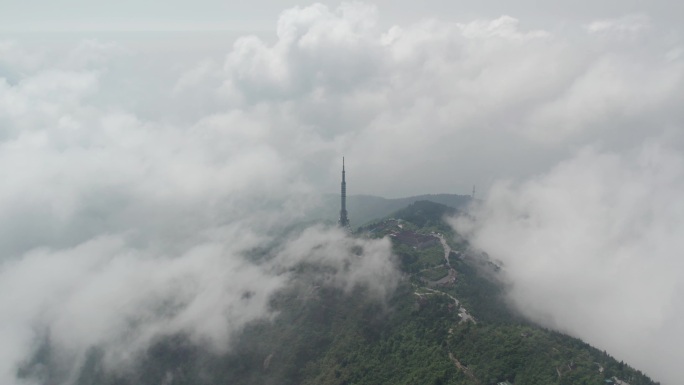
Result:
[
  {"x": 259, "y": 15},
  {"x": 144, "y": 150}
]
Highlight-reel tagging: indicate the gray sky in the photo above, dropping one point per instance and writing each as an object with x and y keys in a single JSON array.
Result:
[
  {"x": 259, "y": 15},
  {"x": 124, "y": 150}
]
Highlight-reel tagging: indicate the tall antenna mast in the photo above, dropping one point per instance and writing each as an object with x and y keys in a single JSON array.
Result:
[{"x": 344, "y": 220}]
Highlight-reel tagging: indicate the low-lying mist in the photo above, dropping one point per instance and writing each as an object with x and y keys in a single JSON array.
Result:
[
  {"x": 593, "y": 248},
  {"x": 110, "y": 294},
  {"x": 147, "y": 182}
]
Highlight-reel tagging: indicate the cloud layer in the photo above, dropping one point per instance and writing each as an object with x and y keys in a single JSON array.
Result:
[
  {"x": 136, "y": 176},
  {"x": 593, "y": 248},
  {"x": 111, "y": 294},
  {"x": 473, "y": 101}
]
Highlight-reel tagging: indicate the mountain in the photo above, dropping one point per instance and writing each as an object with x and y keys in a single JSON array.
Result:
[
  {"x": 425, "y": 213},
  {"x": 447, "y": 323},
  {"x": 365, "y": 208}
]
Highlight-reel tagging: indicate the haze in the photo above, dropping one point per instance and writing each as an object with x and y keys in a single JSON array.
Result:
[{"x": 145, "y": 149}]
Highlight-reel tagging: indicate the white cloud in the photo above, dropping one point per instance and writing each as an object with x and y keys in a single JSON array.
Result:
[
  {"x": 446, "y": 89},
  {"x": 592, "y": 247},
  {"x": 110, "y": 294},
  {"x": 613, "y": 91},
  {"x": 368, "y": 264},
  {"x": 130, "y": 154},
  {"x": 118, "y": 228},
  {"x": 630, "y": 24}
]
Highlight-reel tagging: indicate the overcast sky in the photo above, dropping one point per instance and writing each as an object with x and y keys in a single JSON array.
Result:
[
  {"x": 126, "y": 152},
  {"x": 260, "y": 14}
]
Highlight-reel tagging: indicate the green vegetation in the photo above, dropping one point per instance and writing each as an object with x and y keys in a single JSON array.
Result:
[
  {"x": 408, "y": 349},
  {"x": 427, "y": 214},
  {"x": 435, "y": 274},
  {"x": 325, "y": 336},
  {"x": 481, "y": 296},
  {"x": 431, "y": 257},
  {"x": 530, "y": 355}
]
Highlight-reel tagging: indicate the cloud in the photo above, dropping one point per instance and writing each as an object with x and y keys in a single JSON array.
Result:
[
  {"x": 353, "y": 261},
  {"x": 109, "y": 294},
  {"x": 592, "y": 248},
  {"x": 630, "y": 24},
  {"x": 126, "y": 161},
  {"x": 334, "y": 79},
  {"x": 119, "y": 228}
]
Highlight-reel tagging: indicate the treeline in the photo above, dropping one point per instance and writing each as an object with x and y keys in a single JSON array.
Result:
[{"x": 529, "y": 355}]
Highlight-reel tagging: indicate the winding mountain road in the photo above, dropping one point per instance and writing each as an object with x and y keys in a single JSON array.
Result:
[{"x": 462, "y": 311}]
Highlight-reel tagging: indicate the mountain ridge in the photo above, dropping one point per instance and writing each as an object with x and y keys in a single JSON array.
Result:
[
  {"x": 446, "y": 323},
  {"x": 364, "y": 208}
]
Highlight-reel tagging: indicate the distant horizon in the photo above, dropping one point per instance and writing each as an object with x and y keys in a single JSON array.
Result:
[{"x": 397, "y": 197}]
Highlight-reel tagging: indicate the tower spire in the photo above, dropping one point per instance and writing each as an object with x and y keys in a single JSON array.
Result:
[{"x": 344, "y": 221}]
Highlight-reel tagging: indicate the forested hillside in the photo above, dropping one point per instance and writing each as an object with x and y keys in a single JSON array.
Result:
[{"x": 445, "y": 324}]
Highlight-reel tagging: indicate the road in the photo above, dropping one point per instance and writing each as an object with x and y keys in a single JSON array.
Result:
[{"x": 462, "y": 311}]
